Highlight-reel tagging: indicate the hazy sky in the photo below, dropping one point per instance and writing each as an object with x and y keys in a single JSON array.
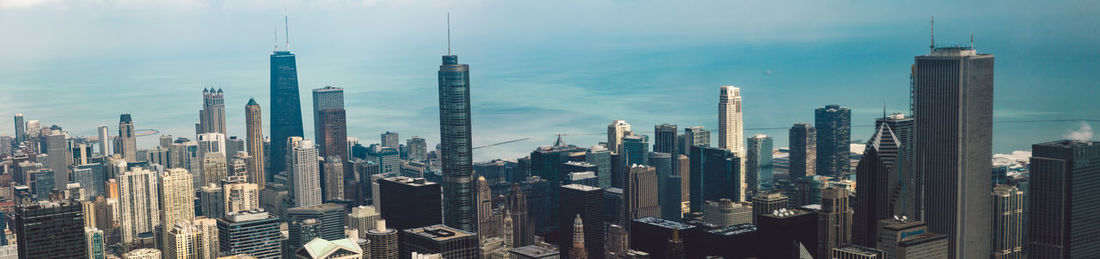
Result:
[{"x": 538, "y": 67}]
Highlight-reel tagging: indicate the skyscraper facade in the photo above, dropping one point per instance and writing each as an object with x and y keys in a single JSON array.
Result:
[
  {"x": 21, "y": 129},
  {"x": 286, "y": 108},
  {"x": 240, "y": 196},
  {"x": 523, "y": 226},
  {"x": 126, "y": 142},
  {"x": 104, "y": 138},
  {"x": 459, "y": 195},
  {"x": 1062, "y": 196},
  {"x": 140, "y": 203},
  {"x": 834, "y": 220},
  {"x": 177, "y": 197},
  {"x": 665, "y": 138},
  {"x": 254, "y": 139},
  {"x": 57, "y": 147},
  {"x": 694, "y": 136},
  {"x": 713, "y": 176},
  {"x": 884, "y": 191},
  {"x": 330, "y": 122},
  {"x": 484, "y": 209},
  {"x": 410, "y": 203},
  {"x": 730, "y": 128},
  {"x": 328, "y": 97},
  {"x": 383, "y": 241},
  {"x": 635, "y": 150},
  {"x": 391, "y": 139},
  {"x": 953, "y": 110},
  {"x": 803, "y": 148},
  {"x": 758, "y": 165},
  {"x": 834, "y": 135},
  {"x": 50, "y": 229},
  {"x": 585, "y": 202},
  {"x": 640, "y": 191},
  {"x": 333, "y": 186},
  {"x": 305, "y": 176},
  {"x": 254, "y": 233},
  {"x": 1008, "y": 222},
  {"x": 212, "y": 115},
  {"x": 418, "y": 148},
  {"x": 615, "y": 133}
]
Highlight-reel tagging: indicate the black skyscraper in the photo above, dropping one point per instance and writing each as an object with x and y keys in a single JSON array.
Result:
[
  {"x": 953, "y": 112},
  {"x": 586, "y": 201},
  {"x": 409, "y": 203},
  {"x": 881, "y": 190},
  {"x": 286, "y": 108},
  {"x": 713, "y": 176},
  {"x": 50, "y": 230},
  {"x": 833, "y": 124},
  {"x": 454, "y": 134},
  {"x": 803, "y": 147},
  {"x": 1063, "y": 196}
]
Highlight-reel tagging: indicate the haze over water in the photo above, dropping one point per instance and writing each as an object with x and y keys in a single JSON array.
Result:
[{"x": 538, "y": 68}]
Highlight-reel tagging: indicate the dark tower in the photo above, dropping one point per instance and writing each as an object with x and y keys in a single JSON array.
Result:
[
  {"x": 454, "y": 133},
  {"x": 1062, "y": 195},
  {"x": 834, "y": 135},
  {"x": 286, "y": 108}
]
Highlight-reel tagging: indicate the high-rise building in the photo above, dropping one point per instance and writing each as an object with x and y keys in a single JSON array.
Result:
[
  {"x": 333, "y": 169},
  {"x": 635, "y": 150},
  {"x": 884, "y": 191},
  {"x": 177, "y": 197},
  {"x": 834, "y": 220},
  {"x": 212, "y": 115},
  {"x": 856, "y": 252},
  {"x": 665, "y": 139},
  {"x": 383, "y": 241},
  {"x": 1061, "y": 197},
  {"x": 418, "y": 148},
  {"x": 485, "y": 217},
  {"x": 456, "y": 150},
  {"x": 303, "y": 172},
  {"x": 240, "y": 196},
  {"x": 446, "y": 241},
  {"x": 50, "y": 229},
  {"x": 730, "y": 128},
  {"x": 363, "y": 218},
  {"x": 212, "y": 201},
  {"x": 21, "y": 129},
  {"x": 214, "y": 168},
  {"x": 300, "y": 232},
  {"x": 332, "y": 134},
  {"x": 533, "y": 252},
  {"x": 331, "y": 249},
  {"x": 253, "y": 232},
  {"x": 57, "y": 147},
  {"x": 254, "y": 139},
  {"x": 694, "y": 136},
  {"x": 126, "y": 142},
  {"x": 390, "y": 139},
  {"x": 640, "y": 190},
  {"x": 834, "y": 136},
  {"x": 758, "y": 165},
  {"x": 94, "y": 240},
  {"x": 787, "y": 233},
  {"x": 725, "y": 212},
  {"x": 286, "y": 108},
  {"x": 577, "y": 251},
  {"x": 600, "y": 156},
  {"x": 524, "y": 230},
  {"x": 909, "y": 239},
  {"x": 671, "y": 197},
  {"x": 1008, "y": 223},
  {"x": 104, "y": 138},
  {"x": 713, "y": 176},
  {"x": 953, "y": 110},
  {"x": 615, "y": 133},
  {"x": 803, "y": 151},
  {"x": 410, "y": 202},
  {"x": 331, "y": 216},
  {"x": 651, "y": 235},
  {"x": 192, "y": 239},
  {"x": 586, "y": 203},
  {"x": 140, "y": 203}
]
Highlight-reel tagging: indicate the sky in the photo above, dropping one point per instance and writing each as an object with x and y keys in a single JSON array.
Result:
[{"x": 540, "y": 68}]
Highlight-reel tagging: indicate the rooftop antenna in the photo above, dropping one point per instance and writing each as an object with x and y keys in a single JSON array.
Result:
[
  {"x": 286, "y": 26},
  {"x": 448, "y": 33},
  {"x": 971, "y": 41},
  {"x": 932, "y": 45},
  {"x": 275, "y": 30}
]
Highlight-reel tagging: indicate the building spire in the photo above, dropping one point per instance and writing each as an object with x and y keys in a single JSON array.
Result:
[
  {"x": 286, "y": 26},
  {"x": 275, "y": 31},
  {"x": 448, "y": 33},
  {"x": 932, "y": 44}
]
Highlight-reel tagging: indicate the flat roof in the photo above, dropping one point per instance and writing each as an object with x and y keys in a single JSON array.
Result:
[
  {"x": 664, "y": 223},
  {"x": 439, "y": 232}
]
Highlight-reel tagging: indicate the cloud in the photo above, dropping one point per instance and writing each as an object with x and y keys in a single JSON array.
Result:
[{"x": 1084, "y": 133}]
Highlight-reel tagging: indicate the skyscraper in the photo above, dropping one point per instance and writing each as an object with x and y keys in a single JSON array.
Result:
[
  {"x": 713, "y": 176},
  {"x": 212, "y": 115},
  {"x": 1062, "y": 195},
  {"x": 446, "y": 241},
  {"x": 383, "y": 241},
  {"x": 254, "y": 139},
  {"x": 50, "y": 229},
  {"x": 212, "y": 201},
  {"x": 484, "y": 209},
  {"x": 330, "y": 216},
  {"x": 758, "y": 164},
  {"x": 459, "y": 204},
  {"x": 391, "y": 139},
  {"x": 286, "y": 108},
  {"x": 103, "y": 140},
  {"x": 903, "y": 238},
  {"x": 330, "y": 122},
  {"x": 1008, "y": 223},
  {"x": 953, "y": 108},
  {"x": 410, "y": 203},
  {"x": 214, "y": 168},
  {"x": 601, "y": 157},
  {"x": 240, "y": 196},
  {"x": 834, "y": 126},
  {"x": 803, "y": 148},
  {"x": 883, "y": 191},
  {"x": 665, "y": 138},
  {"x": 584, "y": 203},
  {"x": 177, "y": 197},
  {"x": 640, "y": 190},
  {"x": 725, "y": 213},
  {"x": 57, "y": 147},
  {"x": 126, "y": 142},
  {"x": 305, "y": 178},
  {"x": 140, "y": 203},
  {"x": 694, "y": 136},
  {"x": 334, "y": 178},
  {"x": 730, "y": 131},
  {"x": 521, "y": 221},
  {"x": 834, "y": 220},
  {"x": 418, "y": 148},
  {"x": 635, "y": 150},
  {"x": 615, "y": 133},
  {"x": 577, "y": 251},
  {"x": 21, "y": 129},
  {"x": 362, "y": 219},
  {"x": 254, "y": 233},
  {"x": 192, "y": 239},
  {"x": 328, "y": 97},
  {"x": 95, "y": 240}
]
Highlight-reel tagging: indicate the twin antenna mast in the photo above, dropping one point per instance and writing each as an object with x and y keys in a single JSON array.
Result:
[{"x": 286, "y": 28}]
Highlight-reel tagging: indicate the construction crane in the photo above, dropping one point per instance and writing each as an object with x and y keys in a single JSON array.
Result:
[{"x": 501, "y": 143}]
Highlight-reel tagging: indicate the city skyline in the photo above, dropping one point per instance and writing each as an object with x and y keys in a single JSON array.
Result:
[{"x": 403, "y": 80}]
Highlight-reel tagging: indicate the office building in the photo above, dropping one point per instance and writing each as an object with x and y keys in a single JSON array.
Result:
[
  {"x": 694, "y": 136},
  {"x": 485, "y": 221},
  {"x": 212, "y": 115},
  {"x": 1008, "y": 223},
  {"x": 253, "y": 232},
  {"x": 332, "y": 134},
  {"x": 95, "y": 241},
  {"x": 671, "y": 197},
  {"x": 390, "y": 139},
  {"x": 286, "y": 108},
  {"x": 304, "y": 177},
  {"x": 447, "y": 241},
  {"x": 730, "y": 129},
  {"x": 635, "y": 150},
  {"x": 651, "y": 235},
  {"x": 383, "y": 241},
  {"x": 615, "y": 133},
  {"x": 665, "y": 139},
  {"x": 803, "y": 151},
  {"x": 786, "y": 233},
  {"x": 725, "y": 212},
  {"x": 714, "y": 176},
  {"x": 177, "y": 197},
  {"x": 902, "y": 238},
  {"x": 21, "y": 129},
  {"x": 331, "y": 216},
  {"x": 640, "y": 192},
  {"x": 834, "y": 125},
  {"x": 953, "y": 110},
  {"x": 52, "y": 229},
  {"x": 533, "y": 252},
  {"x": 215, "y": 168},
  {"x": 600, "y": 156},
  {"x": 192, "y": 239},
  {"x": 126, "y": 141},
  {"x": 1061, "y": 197},
  {"x": 410, "y": 202},
  {"x": 212, "y": 201},
  {"x": 300, "y": 232},
  {"x": 417, "y": 148},
  {"x": 333, "y": 178},
  {"x": 254, "y": 140},
  {"x": 758, "y": 165},
  {"x": 362, "y": 219},
  {"x": 140, "y": 204},
  {"x": 585, "y": 202},
  {"x": 834, "y": 220},
  {"x": 577, "y": 250},
  {"x": 524, "y": 229},
  {"x": 884, "y": 191},
  {"x": 240, "y": 196},
  {"x": 57, "y": 147},
  {"x": 456, "y": 150},
  {"x": 855, "y": 252}
]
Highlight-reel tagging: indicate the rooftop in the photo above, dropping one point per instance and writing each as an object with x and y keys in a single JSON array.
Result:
[
  {"x": 249, "y": 215},
  {"x": 439, "y": 232},
  {"x": 534, "y": 251},
  {"x": 410, "y": 181},
  {"x": 580, "y": 187},
  {"x": 664, "y": 223},
  {"x": 733, "y": 230},
  {"x": 860, "y": 250}
]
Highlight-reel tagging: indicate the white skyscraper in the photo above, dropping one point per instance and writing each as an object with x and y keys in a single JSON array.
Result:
[
  {"x": 731, "y": 134},
  {"x": 140, "y": 204},
  {"x": 305, "y": 180},
  {"x": 177, "y": 196},
  {"x": 615, "y": 133},
  {"x": 196, "y": 239},
  {"x": 104, "y": 138},
  {"x": 211, "y": 142},
  {"x": 241, "y": 196}
]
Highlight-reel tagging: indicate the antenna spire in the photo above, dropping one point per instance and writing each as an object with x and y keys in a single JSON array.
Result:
[
  {"x": 971, "y": 41},
  {"x": 275, "y": 30},
  {"x": 286, "y": 26},
  {"x": 932, "y": 45},
  {"x": 448, "y": 33}
]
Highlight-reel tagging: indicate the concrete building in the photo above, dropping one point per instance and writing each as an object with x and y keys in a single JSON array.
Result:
[
  {"x": 834, "y": 220},
  {"x": 725, "y": 212},
  {"x": 1008, "y": 222},
  {"x": 140, "y": 203},
  {"x": 363, "y": 219},
  {"x": 439, "y": 239},
  {"x": 253, "y": 232},
  {"x": 383, "y": 241},
  {"x": 902, "y": 238},
  {"x": 304, "y": 176},
  {"x": 177, "y": 197},
  {"x": 254, "y": 140},
  {"x": 802, "y": 139}
]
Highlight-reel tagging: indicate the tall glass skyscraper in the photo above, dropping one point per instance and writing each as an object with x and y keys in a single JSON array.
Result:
[
  {"x": 459, "y": 206},
  {"x": 834, "y": 135},
  {"x": 758, "y": 164},
  {"x": 286, "y": 108}
]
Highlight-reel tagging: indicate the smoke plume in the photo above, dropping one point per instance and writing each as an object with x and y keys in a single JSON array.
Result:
[{"x": 1081, "y": 134}]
